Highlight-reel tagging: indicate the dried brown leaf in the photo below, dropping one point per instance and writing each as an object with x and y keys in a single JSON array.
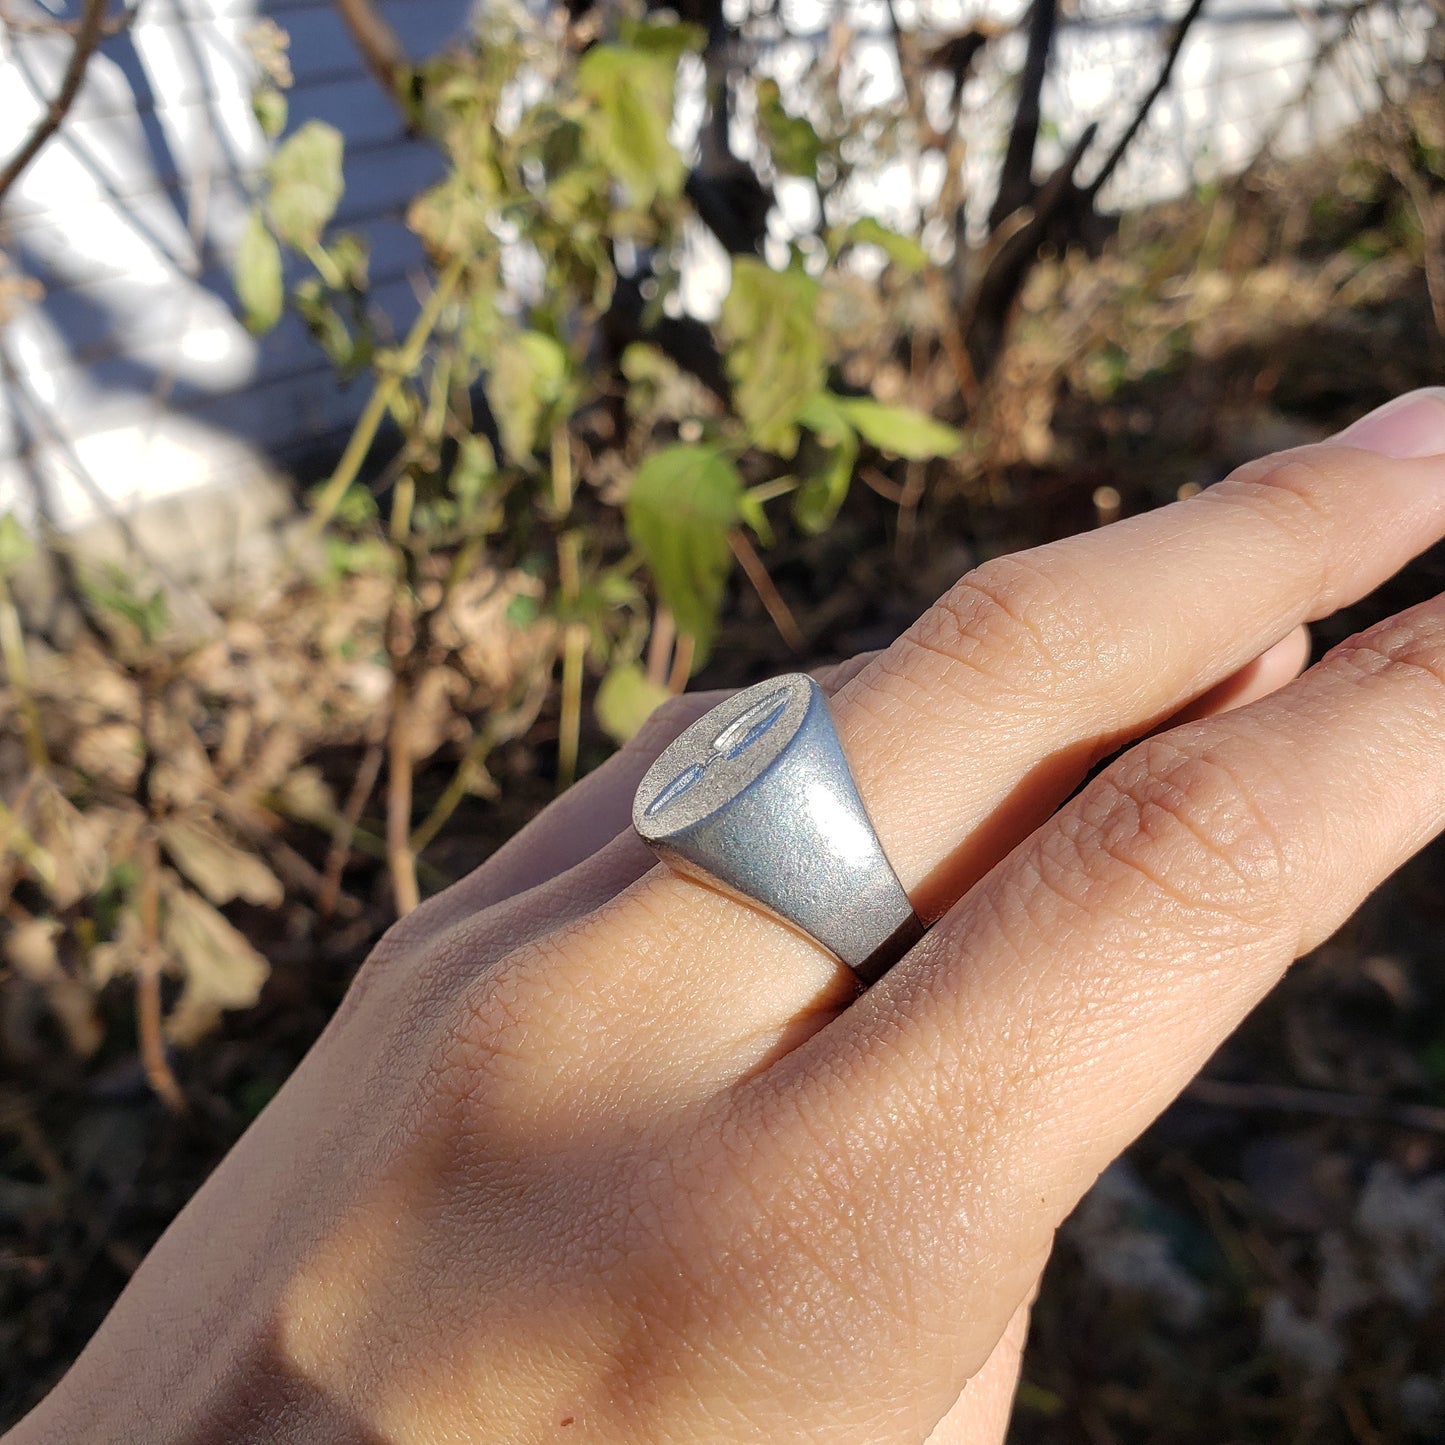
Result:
[
  {"x": 221, "y": 869},
  {"x": 31, "y": 950},
  {"x": 220, "y": 968}
]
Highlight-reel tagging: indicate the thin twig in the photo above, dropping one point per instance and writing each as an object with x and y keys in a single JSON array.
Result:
[
  {"x": 569, "y": 727},
  {"x": 875, "y": 481},
  {"x": 379, "y": 44},
  {"x": 400, "y": 861},
  {"x": 88, "y": 35},
  {"x": 768, "y": 594},
  {"x": 682, "y": 658},
  {"x": 659, "y": 646},
  {"x": 471, "y": 773},
  {"x": 1176, "y": 44},
  {"x": 950, "y": 332},
  {"x": 345, "y": 829},
  {"x": 1322, "y": 1103},
  {"x": 54, "y": 25},
  {"x": 148, "y": 982},
  {"x": 17, "y": 672},
  {"x": 574, "y": 654},
  {"x": 1431, "y": 228},
  {"x": 359, "y": 444}
]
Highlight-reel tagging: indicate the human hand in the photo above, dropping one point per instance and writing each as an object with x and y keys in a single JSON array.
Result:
[{"x": 591, "y": 1152}]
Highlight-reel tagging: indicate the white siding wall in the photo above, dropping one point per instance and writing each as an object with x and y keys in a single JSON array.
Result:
[{"x": 132, "y": 379}]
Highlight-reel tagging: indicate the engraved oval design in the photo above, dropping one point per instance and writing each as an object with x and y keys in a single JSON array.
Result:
[
  {"x": 686, "y": 779},
  {"x": 740, "y": 734}
]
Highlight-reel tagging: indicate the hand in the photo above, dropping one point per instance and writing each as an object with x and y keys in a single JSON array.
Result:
[{"x": 593, "y": 1153}]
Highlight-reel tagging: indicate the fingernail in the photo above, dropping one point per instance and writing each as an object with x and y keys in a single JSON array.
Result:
[{"x": 1411, "y": 426}]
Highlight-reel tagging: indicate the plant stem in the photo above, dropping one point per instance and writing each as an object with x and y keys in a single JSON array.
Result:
[
  {"x": 659, "y": 646},
  {"x": 682, "y": 662},
  {"x": 148, "y": 982},
  {"x": 400, "y": 861},
  {"x": 574, "y": 652},
  {"x": 16, "y": 838},
  {"x": 17, "y": 669},
  {"x": 326, "y": 268},
  {"x": 471, "y": 774},
  {"x": 406, "y": 362},
  {"x": 561, "y": 470},
  {"x": 329, "y": 894},
  {"x": 403, "y": 499},
  {"x": 771, "y": 598}
]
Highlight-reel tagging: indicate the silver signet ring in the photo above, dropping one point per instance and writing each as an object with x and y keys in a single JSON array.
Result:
[{"x": 756, "y": 798}]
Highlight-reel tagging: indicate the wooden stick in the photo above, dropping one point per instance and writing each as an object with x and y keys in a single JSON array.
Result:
[
  {"x": 772, "y": 599},
  {"x": 148, "y": 982},
  {"x": 659, "y": 646},
  {"x": 345, "y": 829},
  {"x": 400, "y": 861}
]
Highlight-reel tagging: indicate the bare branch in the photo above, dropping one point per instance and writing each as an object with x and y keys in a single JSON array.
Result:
[
  {"x": 985, "y": 310},
  {"x": 1016, "y": 183},
  {"x": 379, "y": 44},
  {"x": 1176, "y": 44},
  {"x": 53, "y": 25},
  {"x": 88, "y": 35}
]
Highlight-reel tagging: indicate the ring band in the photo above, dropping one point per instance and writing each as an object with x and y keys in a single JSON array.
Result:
[{"x": 756, "y": 798}]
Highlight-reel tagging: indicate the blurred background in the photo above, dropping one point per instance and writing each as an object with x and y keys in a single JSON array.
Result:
[{"x": 399, "y": 400}]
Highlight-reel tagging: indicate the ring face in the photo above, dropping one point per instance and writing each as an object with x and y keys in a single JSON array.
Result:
[{"x": 757, "y": 798}]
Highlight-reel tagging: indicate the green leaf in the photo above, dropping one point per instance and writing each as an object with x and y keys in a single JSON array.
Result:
[
  {"x": 306, "y": 183},
  {"x": 257, "y": 275},
  {"x": 816, "y": 503},
  {"x": 269, "y": 107},
  {"x": 679, "y": 509},
  {"x": 330, "y": 331},
  {"x": 899, "y": 429},
  {"x": 528, "y": 374},
  {"x": 792, "y": 142},
  {"x": 473, "y": 473},
  {"x": 351, "y": 256},
  {"x": 453, "y": 218},
  {"x": 523, "y": 610},
  {"x": 661, "y": 38},
  {"x": 776, "y": 355},
  {"x": 903, "y": 251},
  {"x": 824, "y": 417},
  {"x": 16, "y": 547},
  {"x": 626, "y": 128},
  {"x": 750, "y": 510},
  {"x": 626, "y": 698}
]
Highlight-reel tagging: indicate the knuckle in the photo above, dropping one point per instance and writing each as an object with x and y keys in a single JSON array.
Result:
[
  {"x": 1288, "y": 493},
  {"x": 1184, "y": 825},
  {"x": 1411, "y": 647},
  {"x": 1025, "y": 623}
]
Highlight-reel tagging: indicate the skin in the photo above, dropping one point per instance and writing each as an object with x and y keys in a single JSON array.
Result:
[{"x": 593, "y": 1153}]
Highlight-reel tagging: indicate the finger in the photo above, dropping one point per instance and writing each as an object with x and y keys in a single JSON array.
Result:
[
  {"x": 981, "y": 1414},
  {"x": 936, "y": 1133},
  {"x": 1268, "y": 673},
  {"x": 1000, "y": 698}
]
